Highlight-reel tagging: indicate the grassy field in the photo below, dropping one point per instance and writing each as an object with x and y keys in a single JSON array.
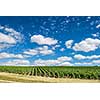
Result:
[{"x": 91, "y": 73}]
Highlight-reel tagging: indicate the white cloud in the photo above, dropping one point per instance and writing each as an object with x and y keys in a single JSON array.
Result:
[
  {"x": 87, "y": 45},
  {"x": 40, "y": 39},
  {"x": 9, "y": 37},
  {"x": 53, "y": 48},
  {"x": 1, "y": 27},
  {"x": 66, "y": 64},
  {"x": 14, "y": 34},
  {"x": 98, "y": 26},
  {"x": 4, "y": 45},
  {"x": 69, "y": 43},
  {"x": 96, "y": 34},
  {"x": 56, "y": 46},
  {"x": 72, "y": 53},
  {"x": 16, "y": 63},
  {"x": 61, "y": 61},
  {"x": 4, "y": 55},
  {"x": 31, "y": 52},
  {"x": 88, "y": 17},
  {"x": 6, "y": 39},
  {"x": 96, "y": 61},
  {"x": 44, "y": 50},
  {"x": 92, "y": 63},
  {"x": 78, "y": 63},
  {"x": 41, "y": 62},
  {"x": 64, "y": 58},
  {"x": 79, "y": 57},
  {"x": 83, "y": 64},
  {"x": 62, "y": 49},
  {"x": 41, "y": 50}
]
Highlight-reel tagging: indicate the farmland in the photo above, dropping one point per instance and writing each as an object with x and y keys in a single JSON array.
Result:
[{"x": 91, "y": 73}]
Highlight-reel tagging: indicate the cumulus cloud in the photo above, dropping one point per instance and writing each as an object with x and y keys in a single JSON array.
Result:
[
  {"x": 92, "y": 63},
  {"x": 41, "y": 62},
  {"x": 98, "y": 26},
  {"x": 69, "y": 43},
  {"x": 16, "y": 63},
  {"x": 5, "y": 45},
  {"x": 40, "y": 39},
  {"x": 56, "y": 46},
  {"x": 66, "y": 64},
  {"x": 61, "y": 61},
  {"x": 6, "y": 39},
  {"x": 5, "y": 55},
  {"x": 96, "y": 34},
  {"x": 44, "y": 50},
  {"x": 83, "y": 64},
  {"x": 31, "y": 52},
  {"x": 96, "y": 61},
  {"x": 14, "y": 34},
  {"x": 87, "y": 45},
  {"x": 40, "y": 50},
  {"x": 9, "y": 37},
  {"x": 64, "y": 58},
  {"x": 79, "y": 57},
  {"x": 62, "y": 49}
]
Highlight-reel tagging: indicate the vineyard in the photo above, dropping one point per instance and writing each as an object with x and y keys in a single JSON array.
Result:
[{"x": 57, "y": 72}]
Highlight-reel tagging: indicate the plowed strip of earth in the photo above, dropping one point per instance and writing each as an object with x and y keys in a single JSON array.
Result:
[{"x": 16, "y": 78}]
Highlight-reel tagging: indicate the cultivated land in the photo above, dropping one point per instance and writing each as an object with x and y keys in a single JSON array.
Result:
[{"x": 49, "y": 74}]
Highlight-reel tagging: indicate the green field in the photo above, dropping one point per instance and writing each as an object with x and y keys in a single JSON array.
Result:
[{"x": 57, "y": 72}]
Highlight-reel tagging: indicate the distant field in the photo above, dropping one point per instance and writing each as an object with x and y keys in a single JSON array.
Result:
[{"x": 55, "y": 72}]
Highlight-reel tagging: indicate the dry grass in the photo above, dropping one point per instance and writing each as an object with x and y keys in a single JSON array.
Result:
[{"x": 12, "y": 78}]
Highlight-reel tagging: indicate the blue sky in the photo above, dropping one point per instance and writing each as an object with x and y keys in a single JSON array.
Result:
[{"x": 50, "y": 40}]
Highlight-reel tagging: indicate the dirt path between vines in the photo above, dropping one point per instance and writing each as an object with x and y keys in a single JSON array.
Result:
[{"x": 13, "y": 78}]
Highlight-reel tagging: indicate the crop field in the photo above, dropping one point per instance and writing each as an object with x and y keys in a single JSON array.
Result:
[{"x": 55, "y": 72}]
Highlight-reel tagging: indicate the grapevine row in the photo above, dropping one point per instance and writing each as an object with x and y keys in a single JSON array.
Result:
[{"x": 57, "y": 72}]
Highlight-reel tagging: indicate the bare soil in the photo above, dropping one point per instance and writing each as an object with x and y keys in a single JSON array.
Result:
[{"x": 16, "y": 78}]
